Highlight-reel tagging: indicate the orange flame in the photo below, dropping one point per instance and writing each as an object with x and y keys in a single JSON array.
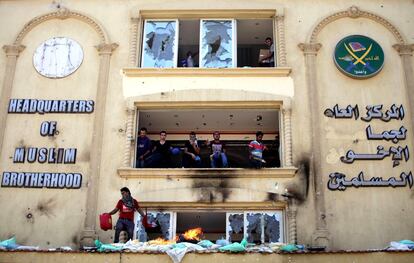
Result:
[
  {"x": 193, "y": 234},
  {"x": 160, "y": 241}
]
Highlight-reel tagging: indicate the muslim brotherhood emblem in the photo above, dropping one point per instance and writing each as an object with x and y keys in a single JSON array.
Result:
[{"x": 359, "y": 57}]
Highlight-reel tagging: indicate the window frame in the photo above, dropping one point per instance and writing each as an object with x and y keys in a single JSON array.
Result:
[
  {"x": 173, "y": 221},
  {"x": 233, "y": 36},
  {"x": 176, "y": 42},
  {"x": 209, "y": 14}
]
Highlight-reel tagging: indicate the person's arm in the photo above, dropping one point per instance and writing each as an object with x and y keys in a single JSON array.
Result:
[
  {"x": 116, "y": 209},
  {"x": 139, "y": 209},
  {"x": 186, "y": 150},
  {"x": 271, "y": 54},
  {"x": 196, "y": 148},
  {"x": 250, "y": 150},
  {"x": 148, "y": 151},
  {"x": 154, "y": 149}
]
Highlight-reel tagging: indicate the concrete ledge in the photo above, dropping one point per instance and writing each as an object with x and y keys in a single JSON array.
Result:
[
  {"x": 126, "y": 172},
  {"x": 207, "y": 72},
  {"x": 326, "y": 257}
]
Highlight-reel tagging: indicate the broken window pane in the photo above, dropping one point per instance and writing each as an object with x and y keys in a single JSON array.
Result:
[
  {"x": 162, "y": 229},
  {"x": 216, "y": 47},
  {"x": 235, "y": 227},
  {"x": 254, "y": 227},
  {"x": 272, "y": 227},
  {"x": 264, "y": 227},
  {"x": 159, "y": 44}
]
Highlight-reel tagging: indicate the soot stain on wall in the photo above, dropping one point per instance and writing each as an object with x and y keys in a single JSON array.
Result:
[
  {"x": 212, "y": 190},
  {"x": 46, "y": 207}
]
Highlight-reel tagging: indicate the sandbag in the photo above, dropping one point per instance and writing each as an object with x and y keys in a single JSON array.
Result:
[{"x": 9, "y": 243}]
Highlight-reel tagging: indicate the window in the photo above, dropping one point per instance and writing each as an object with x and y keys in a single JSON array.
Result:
[
  {"x": 257, "y": 226},
  {"x": 206, "y": 43},
  {"x": 164, "y": 226},
  {"x": 160, "y": 44},
  {"x": 217, "y": 44},
  {"x": 236, "y": 128}
]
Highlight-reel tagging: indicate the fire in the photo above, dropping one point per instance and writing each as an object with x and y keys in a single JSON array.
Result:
[
  {"x": 193, "y": 234},
  {"x": 160, "y": 241}
]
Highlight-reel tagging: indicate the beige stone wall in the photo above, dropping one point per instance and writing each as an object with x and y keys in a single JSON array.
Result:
[{"x": 357, "y": 218}]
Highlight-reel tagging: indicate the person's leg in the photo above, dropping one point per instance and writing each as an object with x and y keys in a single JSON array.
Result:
[
  {"x": 224, "y": 160},
  {"x": 140, "y": 163},
  {"x": 255, "y": 164},
  {"x": 185, "y": 161},
  {"x": 213, "y": 161},
  {"x": 118, "y": 228},
  {"x": 197, "y": 162},
  {"x": 153, "y": 161},
  {"x": 130, "y": 229}
]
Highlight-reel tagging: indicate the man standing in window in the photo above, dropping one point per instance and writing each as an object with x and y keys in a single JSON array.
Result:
[
  {"x": 269, "y": 60},
  {"x": 256, "y": 149},
  {"x": 143, "y": 147},
  {"x": 126, "y": 207}
]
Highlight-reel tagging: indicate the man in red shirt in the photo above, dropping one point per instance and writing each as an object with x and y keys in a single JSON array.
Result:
[{"x": 126, "y": 207}]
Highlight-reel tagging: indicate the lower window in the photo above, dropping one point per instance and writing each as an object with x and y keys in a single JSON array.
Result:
[{"x": 191, "y": 226}]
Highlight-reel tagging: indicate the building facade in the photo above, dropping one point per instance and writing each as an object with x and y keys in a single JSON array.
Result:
[{"x": 80, "y": 78}]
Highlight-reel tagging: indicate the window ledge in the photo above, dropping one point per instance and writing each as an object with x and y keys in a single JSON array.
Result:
[
  {"x": 286, "y": 172},
  {"x": 207, "y": 72}
]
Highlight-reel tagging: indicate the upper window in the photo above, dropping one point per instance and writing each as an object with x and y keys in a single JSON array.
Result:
[
  {"x": 208, "y": 43},
  {"x": 160, "y": 44}
]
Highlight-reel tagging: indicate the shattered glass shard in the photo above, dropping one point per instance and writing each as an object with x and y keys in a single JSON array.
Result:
[
  {"x": 254, "y": 227},
  {"x": 236, "y": 223},
  {"x": 163, "y": 220},
  {"x": 272, "y": 228},
  {"x": 159, "y": 44},
  {"x": 216, "y": 43}
]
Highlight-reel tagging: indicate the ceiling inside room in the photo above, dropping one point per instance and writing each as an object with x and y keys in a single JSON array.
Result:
[{"x": 208, "y": 120}]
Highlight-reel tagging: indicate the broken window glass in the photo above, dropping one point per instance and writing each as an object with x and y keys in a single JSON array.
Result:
[
  {"x": 264, "y": 227},
  {"x": 163, "y": 229},
  {"x": 217, "y": 44},
  {"x": 235, "y": 227},
  {"x": 254, "y": 227},
  {"x": 160, "y": 44},
  {"x": 272, "y": 226}
]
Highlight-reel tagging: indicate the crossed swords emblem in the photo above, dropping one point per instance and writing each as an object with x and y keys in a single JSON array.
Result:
[{"x": 359, "y": 59}]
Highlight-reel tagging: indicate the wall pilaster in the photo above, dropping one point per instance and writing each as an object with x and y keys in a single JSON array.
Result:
[
  {"x": 12, "y": 53},
  {"x": 129, "y": 136},
  {"x": 134, "y": 50},
  {"x": 406, "y": 54},
  {"x": 321, "y": 234},
  {"x": 287, "y": 126},
  {"x": 281, "y": 41},
  {"x": 88, "y": 233}
]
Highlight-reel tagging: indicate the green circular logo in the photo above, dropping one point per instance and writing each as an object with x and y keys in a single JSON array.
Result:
[{"x": 359, "y": 57}]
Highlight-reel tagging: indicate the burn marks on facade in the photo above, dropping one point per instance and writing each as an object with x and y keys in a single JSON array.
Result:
[{"x": 212, "y": 190}]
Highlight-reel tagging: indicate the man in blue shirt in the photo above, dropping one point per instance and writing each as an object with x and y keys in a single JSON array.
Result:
[{"x": 143, "y": 147}]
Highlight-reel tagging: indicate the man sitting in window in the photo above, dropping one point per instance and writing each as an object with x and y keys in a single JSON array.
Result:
[
  {"x": 269, "y": 59},
  {"x": 161, "y": 153},
  {"x": 218, "y": 156},
  {"x": 191, "y": 156}
]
